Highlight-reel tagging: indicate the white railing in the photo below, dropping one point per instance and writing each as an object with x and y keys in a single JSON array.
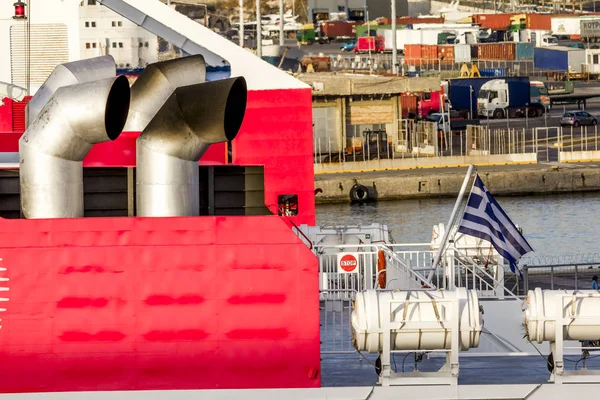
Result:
[{"x": 335, "y": 285}]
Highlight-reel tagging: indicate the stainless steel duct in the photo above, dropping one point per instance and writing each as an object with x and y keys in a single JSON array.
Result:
[
  {"x": 157, "y": 83},
  {"x": 52, "y": 149},
  {"x": 70, "y": 73},
  {"x": 168, "y": 150}
]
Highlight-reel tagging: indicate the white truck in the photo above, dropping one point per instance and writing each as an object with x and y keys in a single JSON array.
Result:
[
  {"x": 512, "y": 97},
  {"x": 539, "y": 38}
]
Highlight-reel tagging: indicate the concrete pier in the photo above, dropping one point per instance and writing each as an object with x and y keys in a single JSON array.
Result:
[{"x": 515, "y": 180}]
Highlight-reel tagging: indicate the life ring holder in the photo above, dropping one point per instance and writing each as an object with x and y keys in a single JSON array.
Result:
[{"x": 381, "y": 268}]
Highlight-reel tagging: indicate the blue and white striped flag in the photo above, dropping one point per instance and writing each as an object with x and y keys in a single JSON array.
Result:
[{"x": 485, "y": 219}]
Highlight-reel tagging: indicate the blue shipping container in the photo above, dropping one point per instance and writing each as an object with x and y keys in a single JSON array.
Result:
[
  {"x": 550, "y": 59},
  {"x": 458, "y": 92},
  {"x": 493, "y": 72},
  {"x": 524, "y": 51}
]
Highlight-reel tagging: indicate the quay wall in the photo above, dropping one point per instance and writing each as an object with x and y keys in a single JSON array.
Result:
[{"x": 433, "y": 183}]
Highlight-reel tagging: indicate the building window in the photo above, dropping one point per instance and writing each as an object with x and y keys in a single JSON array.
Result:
[
  {"x": 87, "y": 46},
  {"x": 114, "y": 24},
  {"x": 93, "y": 24},
  {"x": 94, "y": 45},
  {"x": 120, "y": 23},
  {"x": 141, "y": 45},
  {"x": 341, "y": 8},
  {"x": 128, "y": 65},
  {"x": 87, "y": 24},
  {"x": 120, "y": 45},
  {"x": 91, "y": 2},
  {"x": 114, "y": 45},
  {"x": 146, "y": 44}
]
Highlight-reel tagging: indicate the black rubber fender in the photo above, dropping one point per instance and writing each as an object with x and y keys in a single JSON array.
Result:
[{"x": 359, "y": 194}]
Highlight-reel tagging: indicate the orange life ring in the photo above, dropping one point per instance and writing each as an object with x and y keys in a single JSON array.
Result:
[{"x": 382, "y": 279}]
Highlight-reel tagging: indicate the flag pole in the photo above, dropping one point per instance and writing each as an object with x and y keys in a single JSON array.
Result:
[{"x": 461, "y": 194}]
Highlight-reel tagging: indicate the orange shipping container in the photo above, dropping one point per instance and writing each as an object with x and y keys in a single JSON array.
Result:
[
  {"x": 496, "y": 51},
  {"x": 539, "y": 21},
  {"x": 493, "y": 21},
  {"x": 414, "y": 20},
  {"x": 420, "y": 54},
  {"x": 445, "y": 54}
]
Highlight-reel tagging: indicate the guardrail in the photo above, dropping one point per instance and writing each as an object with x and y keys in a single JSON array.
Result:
[
  {"x": 570, "y": 276},
  {"x": 422, "y": 145}
]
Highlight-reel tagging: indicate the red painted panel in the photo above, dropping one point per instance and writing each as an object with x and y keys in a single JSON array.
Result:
[
  {"x": 121, "y": 153},
  {"x": 277, "y": 133},
  {"x": 157, "y": 303}
]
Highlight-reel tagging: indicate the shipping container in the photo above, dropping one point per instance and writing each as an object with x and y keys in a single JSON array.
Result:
[
  {"x": 446, "y": 54},
  {"x": 559, "y": 58},
  {"x": 366, "y": 44},
  {"x": 335, "y": 29},
  {"x": 420, "y": 54},
  {"x": 462, "y": 53},
  {"x": 565, "y": 27},
  {"x": 493, "y": 21},
  {"x": 538, "y": 21},
  {"x": 408, "y": 36},
  {"x": 496, "y": 51},
  {"x": 415, "y": 20},
  {"x": 524, "y": 51}
]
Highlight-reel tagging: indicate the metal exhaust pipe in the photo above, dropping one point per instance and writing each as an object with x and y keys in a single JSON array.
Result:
[
  {"x": 168, "y": 151},
  {"x": 52, "y": 149},
  {"x": 157, "y": 83},
  {"x": 70, "y": 73}
]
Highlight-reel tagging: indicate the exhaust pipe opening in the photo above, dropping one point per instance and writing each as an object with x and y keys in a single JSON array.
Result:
[
  {"x": 235, "y": 109},
  {"x": 168, "y": 150},
  {"x": 118, "y": 100}
]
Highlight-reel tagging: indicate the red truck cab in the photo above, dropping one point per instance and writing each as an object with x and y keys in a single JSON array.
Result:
[{"x": 374, "y": 44}]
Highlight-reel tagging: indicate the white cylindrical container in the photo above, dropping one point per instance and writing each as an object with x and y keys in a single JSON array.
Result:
[
  {"x": 425, "y": 319},
  {"x": 580, "y": 309}
]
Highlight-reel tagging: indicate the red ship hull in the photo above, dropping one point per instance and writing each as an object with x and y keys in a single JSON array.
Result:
[{"x": 171, "y": 303}]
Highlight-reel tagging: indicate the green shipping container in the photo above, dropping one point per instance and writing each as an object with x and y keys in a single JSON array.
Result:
[
  {"x": 524, "y": 51},
  {"x": 306, "y": 36}
]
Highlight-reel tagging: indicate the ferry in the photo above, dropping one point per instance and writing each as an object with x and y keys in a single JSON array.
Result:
[{"x": 158, "y": 241}]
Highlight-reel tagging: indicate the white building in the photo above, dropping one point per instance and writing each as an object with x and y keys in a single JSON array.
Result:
[
  {"x": 67, "y": 30},
  {"x": 104, "y": 32}
]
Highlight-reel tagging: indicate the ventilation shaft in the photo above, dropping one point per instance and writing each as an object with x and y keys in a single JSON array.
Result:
[
  {"x": 180, "y": 116},
  {"x": 70, "y": 73},
  {"x": 168, "y": 150},
  {"x": 52, "y": 149}
]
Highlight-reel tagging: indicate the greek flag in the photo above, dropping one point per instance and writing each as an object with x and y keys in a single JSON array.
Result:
[{"x": 485, "y": 219}]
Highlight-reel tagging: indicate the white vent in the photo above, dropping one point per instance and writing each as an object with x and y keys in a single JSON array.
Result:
[
  {"x": 49, "y": 46},
  {"x": 3, "y": 290}
]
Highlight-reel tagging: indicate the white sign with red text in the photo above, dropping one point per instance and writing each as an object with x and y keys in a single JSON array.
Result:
[{"x": 347, "y": 263}]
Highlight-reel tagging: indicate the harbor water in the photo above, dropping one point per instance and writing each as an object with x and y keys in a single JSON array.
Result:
[{"x": 554, "y": 225}]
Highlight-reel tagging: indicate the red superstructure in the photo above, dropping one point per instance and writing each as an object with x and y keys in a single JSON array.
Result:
[{"x": 170, "y": 303}]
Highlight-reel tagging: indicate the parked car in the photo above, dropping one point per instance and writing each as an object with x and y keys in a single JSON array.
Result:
[
  {"x": 578, "y": 118},
  {"x": 348, "y": 46}
]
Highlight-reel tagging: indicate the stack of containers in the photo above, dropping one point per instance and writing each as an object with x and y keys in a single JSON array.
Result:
[
  {"x": 454, "y": 53},
  {"x": 420, "y": 54}
]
